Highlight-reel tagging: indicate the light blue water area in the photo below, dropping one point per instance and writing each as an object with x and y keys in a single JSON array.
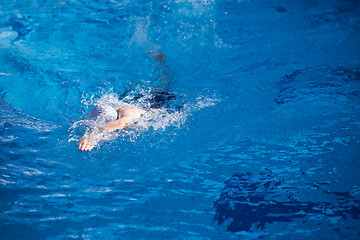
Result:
[{"x": 262, "y": 140}]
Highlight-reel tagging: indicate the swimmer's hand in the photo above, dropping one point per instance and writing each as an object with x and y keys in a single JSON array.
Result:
[
  {"x": 86, "y": 143},
  {"x": 89, "y": 141}
]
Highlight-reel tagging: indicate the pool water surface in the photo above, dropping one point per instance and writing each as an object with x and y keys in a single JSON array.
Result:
[{"x": 260, "y": 141}]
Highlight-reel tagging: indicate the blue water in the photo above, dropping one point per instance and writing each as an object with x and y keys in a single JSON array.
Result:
[{"x": 265, "y": 143}]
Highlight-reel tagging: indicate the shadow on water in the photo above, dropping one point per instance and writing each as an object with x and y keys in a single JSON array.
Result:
[{"x": 250, "y": 202}]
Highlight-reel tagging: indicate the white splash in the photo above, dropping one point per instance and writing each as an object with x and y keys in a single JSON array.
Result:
[{"x": 157, "y": 119}]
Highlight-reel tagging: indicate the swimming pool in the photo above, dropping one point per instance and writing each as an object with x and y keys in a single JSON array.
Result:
[{"x": 265, "y": 144}]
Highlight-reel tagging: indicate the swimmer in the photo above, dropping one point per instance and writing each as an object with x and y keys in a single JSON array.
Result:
[
  {"x": 125, "y": 115},
  {"x": 112, "y": 120}
]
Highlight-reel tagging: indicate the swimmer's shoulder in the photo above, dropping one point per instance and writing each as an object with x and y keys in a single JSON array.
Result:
[
  {"x": 130, "y": 110},
  {"x": 127, "y": 106}
]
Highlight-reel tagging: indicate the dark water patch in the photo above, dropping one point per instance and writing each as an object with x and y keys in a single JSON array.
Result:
[
  {"x": 320, "y": 83},
  {"x": 280, "y": 9},
  {"x": 250, "y": 201},
  {"x": 326, "y": 14}
]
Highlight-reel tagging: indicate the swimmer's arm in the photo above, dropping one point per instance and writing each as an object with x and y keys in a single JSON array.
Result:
[
  {"x": 118, "y": 124},
  {"x": 126, "y": 116},
  {"x": 88, "y": 141}
]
